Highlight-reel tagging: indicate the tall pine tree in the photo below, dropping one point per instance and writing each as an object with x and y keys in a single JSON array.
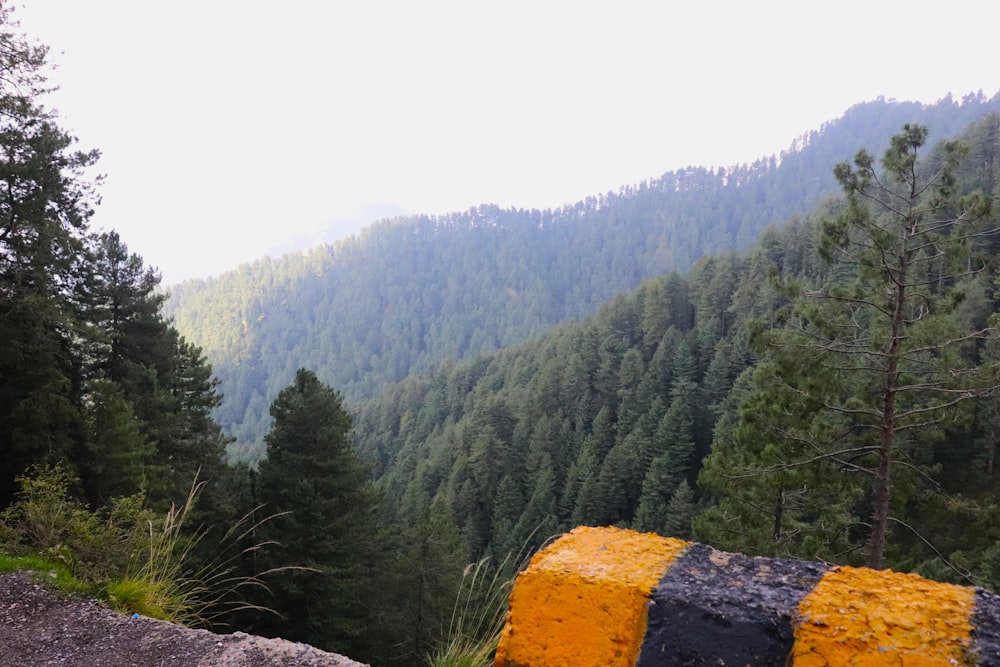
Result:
[
  {"x": 313, "y": 478},
  {"x": 870, "y": 366},
  {"x": 43, "y": 214}
]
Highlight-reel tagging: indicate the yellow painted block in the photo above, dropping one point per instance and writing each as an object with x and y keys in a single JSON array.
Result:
[
  {"x": 583, "y": 599},
  {"x": 858, "y": 617}
]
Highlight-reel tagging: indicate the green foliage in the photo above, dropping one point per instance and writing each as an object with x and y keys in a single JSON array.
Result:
[
  {"x": 42, "y": 219},
  {"x": 93, "y": 376},
  {"x": 138, "y": 561},
  {"x": 142, "y": 596},
  {"x": 51, "y": 572},
  {"x": 477, "y": 618},
  {"x": 555, "y": 433},
  {"x": 115, "y": 449},
  {"x": 156, "y": 580},
  {"x": 117, "y": 549},
  {"x": 424, "y": 576},
  {"x": 326, "y": 506},
  {"x": 866, "y": 368},
  {"x": 616, "y": 415},
  {"x": 407, "y": 294},
  {"x": 47, "y": 520},
  {"x": 515, "y": 430}
]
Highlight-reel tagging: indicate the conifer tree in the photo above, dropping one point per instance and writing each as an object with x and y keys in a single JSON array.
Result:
[
  {"x": 870, "y": 365},
  {"x": 315, "y": 480},
  {"x": 672, "y": 463},
  {"x": 46, "y": 205}
]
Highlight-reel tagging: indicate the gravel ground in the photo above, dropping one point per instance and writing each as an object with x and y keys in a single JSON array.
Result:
[{"x": 41, "y": 628}]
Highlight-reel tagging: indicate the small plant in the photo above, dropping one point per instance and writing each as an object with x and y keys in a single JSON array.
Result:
[
  {"x": 480, "y": 611},
  {"x": 51, "y": 572},
  {"x": 47, "y": 520},
  {"x": 155, "y": 583},
  {"x": 159, "y": 584},
  {"x": 139, "y": 562},
  {"x": 477, "y": 618},
  {"x": 139, "y": 596}
]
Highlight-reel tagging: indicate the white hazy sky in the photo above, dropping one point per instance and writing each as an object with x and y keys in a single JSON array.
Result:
[{"x": 229, "y": 126}]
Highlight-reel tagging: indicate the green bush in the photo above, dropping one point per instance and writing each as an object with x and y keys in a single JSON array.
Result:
[
  {"x": 136, "y": 559},
  {"x": 46, "y": 520}
]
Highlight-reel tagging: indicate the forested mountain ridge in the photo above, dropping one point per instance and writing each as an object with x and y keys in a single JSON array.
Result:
[
  {"x": 665, "y": 411},
  {"x": 410, "y": 292},
  {"x": 751, "y": 399}
]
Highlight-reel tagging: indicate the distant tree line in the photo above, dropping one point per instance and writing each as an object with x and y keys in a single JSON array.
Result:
[
  {"x": 830, "y": 392},
  {"x": 759, "y": 402},
  {"x": 409, "y": 293}
]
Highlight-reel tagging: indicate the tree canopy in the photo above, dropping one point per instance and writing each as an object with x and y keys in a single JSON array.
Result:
[{"x": 409, "y": 293}]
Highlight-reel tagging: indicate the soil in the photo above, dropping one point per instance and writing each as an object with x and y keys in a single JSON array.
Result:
[{"x": 43, "y": 628}]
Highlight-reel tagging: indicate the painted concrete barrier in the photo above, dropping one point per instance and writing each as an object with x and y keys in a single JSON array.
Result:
[{"x": 617, "y": 598}]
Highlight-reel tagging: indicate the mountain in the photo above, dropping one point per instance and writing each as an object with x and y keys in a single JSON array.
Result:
[
  {"x": 666, "y": 411},
  {"x": 339, "y": 228},
  {"x": 408, "y": 293}
]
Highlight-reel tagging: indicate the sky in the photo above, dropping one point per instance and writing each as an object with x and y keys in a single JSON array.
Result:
[{"x": 229, "y": 127}]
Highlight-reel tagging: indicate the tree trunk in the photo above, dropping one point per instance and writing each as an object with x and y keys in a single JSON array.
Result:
[{"x": 880, "y": 509}]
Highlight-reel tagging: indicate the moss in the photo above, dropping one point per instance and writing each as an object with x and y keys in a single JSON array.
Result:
[{"x": 50, "y": 572}]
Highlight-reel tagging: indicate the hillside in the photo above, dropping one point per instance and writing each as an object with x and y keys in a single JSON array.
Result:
[
  {"x": 660, "y": 413},
  {"x": 410, "y": 292},
  {"x": 794, "y": 358}
]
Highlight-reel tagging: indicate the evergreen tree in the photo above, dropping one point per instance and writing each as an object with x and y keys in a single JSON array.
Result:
[
  {"x": 114, "y": 461},
  {"x": 871, "y": 364},
  {"x": 43, "y": 214},
  {"x": 327, "y": 527},
  {"x": 508, "y": 505},
  {"x": 680, "y": 512},
  {"x": 423, "y": 581},
  {"x": 165, "y": 381},
  {"x": 671, "y": 464}
]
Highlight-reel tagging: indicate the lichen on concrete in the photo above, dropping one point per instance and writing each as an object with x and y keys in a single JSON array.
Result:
[
  {"x": 583, "y": 599},
  {"x": 857, "y": 616}
]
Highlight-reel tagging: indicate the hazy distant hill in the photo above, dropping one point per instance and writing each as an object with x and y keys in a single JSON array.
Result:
[
  {"x": 338, "y": 229},
  {"x": 608, "y": 420},
  {"x": 410, "y": 292}
]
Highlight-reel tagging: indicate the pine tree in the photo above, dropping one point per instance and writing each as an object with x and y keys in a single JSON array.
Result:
[
  {"x": 113, "y": 463},
  {"x": 671, "y": 464},
  {"x": 680, "y": 512},
  {"x": 423, "y": 581},
  {"x": 314, "y": 479},
  {"x": 165, "y": 380},
  {"x": 46, "y": 205},
  {"x": 870, "y": 365}
]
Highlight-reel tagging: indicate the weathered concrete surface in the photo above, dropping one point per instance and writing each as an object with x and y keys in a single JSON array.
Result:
[
  {"x": 582, "y": 601},
  {"x": 580, "y": 604},
  {"x": 739, "y": 607},
  {"x": 39, "y": 628}
]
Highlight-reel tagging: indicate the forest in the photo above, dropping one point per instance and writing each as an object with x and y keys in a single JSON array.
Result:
[
  {"x": 792, "y": 358},
  {"x": 409, "y": 293}
]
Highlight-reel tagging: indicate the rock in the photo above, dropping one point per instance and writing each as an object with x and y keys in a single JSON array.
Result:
[{"x": 42, "y": 628}]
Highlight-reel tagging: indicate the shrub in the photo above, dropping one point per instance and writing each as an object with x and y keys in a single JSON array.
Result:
[{"x": 47, "y": 520}]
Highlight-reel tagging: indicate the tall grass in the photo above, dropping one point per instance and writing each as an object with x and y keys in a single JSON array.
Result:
[
  {"x": 480, "y": 611},
  {"x": 477, "y": 618},
  {"x": 159, "y": 582},
  {"x": 138, "y": 561}
]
